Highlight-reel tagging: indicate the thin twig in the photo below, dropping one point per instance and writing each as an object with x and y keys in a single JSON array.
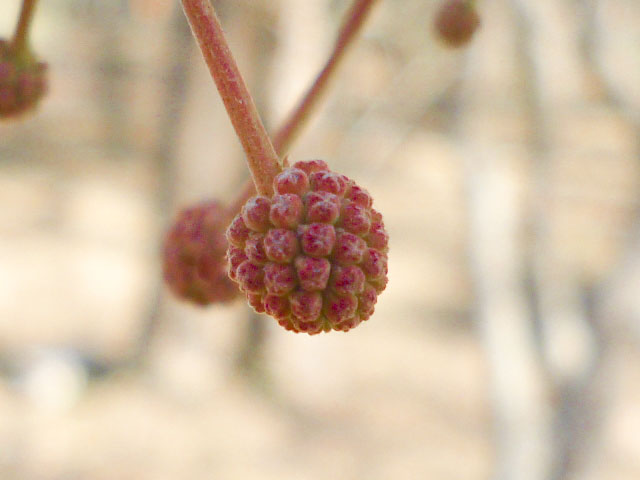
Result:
[
  {"x": 21, "y": 35},
  {"x": 261, "y": 156}
]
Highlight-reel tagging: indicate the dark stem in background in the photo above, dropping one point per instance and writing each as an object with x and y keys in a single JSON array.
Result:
[
  {"x": 261, "y": 156},
  {"x": 250, "y": 352},
  {"x": 110, "y": 91},
  {"x": 21, "y": 35}
]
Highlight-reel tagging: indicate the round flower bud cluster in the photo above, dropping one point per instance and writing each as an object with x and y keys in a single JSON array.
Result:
[
  {"x": 314, "y": 255},
  {"x": 456, "y": 21},
  {"x": 23, "y": 81},
  {"x": 195, "y": 268}
]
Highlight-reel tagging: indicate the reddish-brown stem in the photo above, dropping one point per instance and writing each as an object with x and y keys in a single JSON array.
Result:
[
  {"x": 351, "y": 26},
  {"x": 297, "y": 119},
  {"x": 261, "y": 156},
  {"x": 21, "y": 33}
]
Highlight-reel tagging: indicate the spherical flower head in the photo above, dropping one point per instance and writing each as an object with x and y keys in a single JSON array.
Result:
[
  {"x": 314, "y": 255},
  {"x": 23, "y": 81},
  {"x": 195, "y": 267},
  {"x": 456, "y": 21}
]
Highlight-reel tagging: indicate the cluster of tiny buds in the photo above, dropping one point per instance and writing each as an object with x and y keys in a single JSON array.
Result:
[
  {"x": 23, "y": 81},
  {"x": 456, "y": 21},
  {"x": 314, "y": 255},
  {"x": 194, "y": 262}
]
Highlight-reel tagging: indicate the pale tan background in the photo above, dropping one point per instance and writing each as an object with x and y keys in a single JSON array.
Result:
[{"x": 506, "y": 344}]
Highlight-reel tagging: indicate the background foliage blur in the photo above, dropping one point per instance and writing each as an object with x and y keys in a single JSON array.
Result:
[{"x": 506, "y": 343}]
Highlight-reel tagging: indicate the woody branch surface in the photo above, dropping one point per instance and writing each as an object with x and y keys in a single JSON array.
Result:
[{"x": 262, "y": 158}]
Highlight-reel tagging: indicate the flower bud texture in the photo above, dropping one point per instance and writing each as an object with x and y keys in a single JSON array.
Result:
[
  {"x": 195, "y": 268},
  {"x": 314, "y": 255},
  {"x": 456, "y": 21},
  {"x": 23, "y": 81}
]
